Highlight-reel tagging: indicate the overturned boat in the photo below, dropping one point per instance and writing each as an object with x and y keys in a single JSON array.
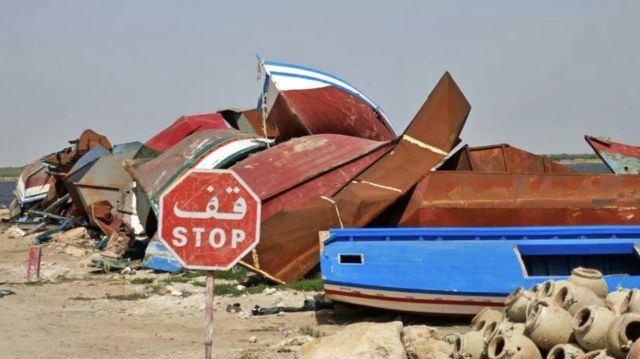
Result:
[
  {"x": 288, "y": 248},
  {"x": 183, "y": 127},
  {"x": 206, "y": 149},
  {"x": 34, "y": 185},
  {"x": 460, "y": 271},
  {"x": 292, "y": 174},
  {"x": 301, "y": 101},
  {"x": 620, "y": 158}
]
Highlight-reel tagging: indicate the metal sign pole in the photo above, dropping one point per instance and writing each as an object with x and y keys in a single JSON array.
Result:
[{"x": 208, "y": 314}]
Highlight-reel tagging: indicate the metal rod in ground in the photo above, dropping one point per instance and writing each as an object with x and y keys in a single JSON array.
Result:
[{"x": 208, "y": 314}]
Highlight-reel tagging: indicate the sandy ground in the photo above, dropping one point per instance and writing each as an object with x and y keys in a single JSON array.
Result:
[{"x": 69, "y": 313}]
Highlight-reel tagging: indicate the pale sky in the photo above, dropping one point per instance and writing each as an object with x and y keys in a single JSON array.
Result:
[{"x": 539, "y": 74}]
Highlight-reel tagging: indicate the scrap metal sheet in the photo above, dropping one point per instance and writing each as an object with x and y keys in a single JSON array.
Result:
[
  {"x": 501, "y": 158},
  {"x": 459, "y": 198}
]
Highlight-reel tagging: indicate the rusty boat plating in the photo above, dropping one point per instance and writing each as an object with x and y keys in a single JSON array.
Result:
[
  {"x": 299, "y": 101},
  {"x": 620, "y": 158},
  {"x": 289, "y": 238},
  {"x": 466, "y": 199}
]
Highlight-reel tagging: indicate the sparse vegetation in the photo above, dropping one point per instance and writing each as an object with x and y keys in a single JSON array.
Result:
[
  {"x": 127, "y": 297},
  {"x": 10, "y": 172},
  {"x": 236, "y": 273},
  {"x": 81, "y": 298},
  {"x": 307, "y": 330},
  {"x": 305, "y": 285},
  {"x": 249, "y": 354},
  {"x": 142, "y": 280}
]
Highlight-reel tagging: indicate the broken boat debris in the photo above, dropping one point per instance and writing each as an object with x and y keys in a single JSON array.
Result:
[{"x": 321, "y": 155}]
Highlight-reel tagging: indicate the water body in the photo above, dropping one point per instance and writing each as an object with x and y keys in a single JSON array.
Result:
[
  {"x": 589, "y": 167},
  {"x": 6, "y": 187}
]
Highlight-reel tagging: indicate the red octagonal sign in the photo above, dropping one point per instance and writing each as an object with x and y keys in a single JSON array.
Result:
[{"x": 209, "y": 219}]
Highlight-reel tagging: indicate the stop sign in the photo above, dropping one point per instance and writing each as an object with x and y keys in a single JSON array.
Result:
[{"x": 209, "y": 219}]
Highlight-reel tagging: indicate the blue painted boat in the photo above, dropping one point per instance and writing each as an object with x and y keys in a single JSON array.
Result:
[
  {"x": 158, "y": 257},
  {"x": 459, "y": 271}
]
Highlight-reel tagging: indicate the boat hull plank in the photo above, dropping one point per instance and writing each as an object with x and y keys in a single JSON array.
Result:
[{"x": 462, "y": 270}]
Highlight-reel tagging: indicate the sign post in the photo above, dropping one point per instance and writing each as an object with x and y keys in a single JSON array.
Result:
[
  {"x": 209, "y": 219},
  {"x": 208, "y": 314}
]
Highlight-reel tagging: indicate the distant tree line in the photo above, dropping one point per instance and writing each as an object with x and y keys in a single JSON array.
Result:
[
  {"x": 572, "y": 156},
  {"x": 10, "y": 171}
]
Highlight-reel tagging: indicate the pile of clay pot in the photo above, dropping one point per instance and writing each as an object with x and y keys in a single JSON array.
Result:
[{"x": 567, "y": 319}]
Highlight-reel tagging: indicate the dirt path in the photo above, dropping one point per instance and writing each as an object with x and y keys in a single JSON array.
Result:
[{"x": 74, "y": 313}]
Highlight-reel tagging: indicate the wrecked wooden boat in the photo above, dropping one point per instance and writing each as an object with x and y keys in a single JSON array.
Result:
[
  {"x": 301, "y": 101},
  {"x": 293, "y": 173},
  {"x": 203, "y": 149},
  {"x": 208, "y": 149},
  {"x": 103, "y": 180},
  {"x": 460, "y": 271},
  {"x": 34, "y": 185},
  {"x": 620, "y": 158},
  {"x": 469, "y": 199},
  {"x": 288, "y": 247},
  {"x": 183, "y": 127}
]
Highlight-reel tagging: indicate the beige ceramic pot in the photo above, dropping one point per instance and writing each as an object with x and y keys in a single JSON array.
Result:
[
  {"x": 590, "y": 278},
  {"x": 504, "y": 328},
  {"x": 620, "y": 300},
  {"x": 516, "y": 305},
  {"x": 623, "y": 331},
  {"x": 551, "y": 287},
  {"x": 634, "y": 301},
  {"x": 485, "y": 317},
  {"x": 512, "y": 347},
  {"x": 574, "y": 299},
  {"x": 565, "y": 351},
  {"x": 596, "y": 354},
  {"x": 548, "y": 325},
  {"x": 469, "y": 345},
  {"x": 591, "y": 325}
]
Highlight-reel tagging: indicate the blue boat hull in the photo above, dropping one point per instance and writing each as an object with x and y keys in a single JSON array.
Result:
[{"x": 462, "y": 270}]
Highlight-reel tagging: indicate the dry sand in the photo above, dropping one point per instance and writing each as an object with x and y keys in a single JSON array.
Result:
[{"x": 69, "y": 314}]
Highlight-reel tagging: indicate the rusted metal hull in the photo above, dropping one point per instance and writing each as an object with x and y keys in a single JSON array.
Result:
[
  {"x": 501, "y": 158},
  {"x": 62, "y": 161},
  {"x": 292, "y": 174},
  {"x": 300, "y": 101},
  {"x": 289, "y": 246},
  {"x": 620, "y": 158},
  {"x": 183, "y": 127},
  {"x": 203, "y": 149},
  {"x": 104, "y": 180},
  {"x": 79, "y": 169},
  {"x": 467, "y": 199}
]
